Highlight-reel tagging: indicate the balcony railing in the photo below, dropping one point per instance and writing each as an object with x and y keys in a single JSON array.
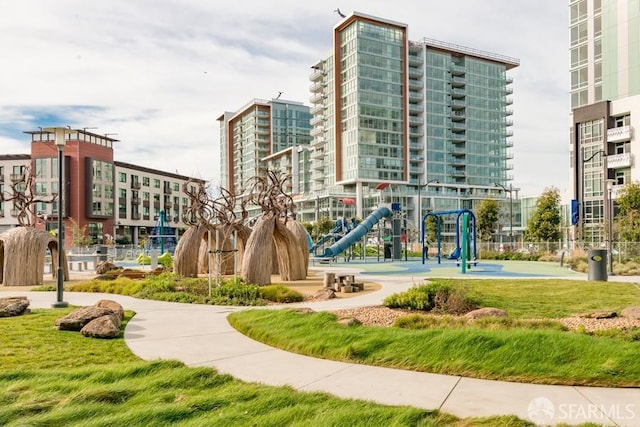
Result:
[
  {"x": 135, "y": 216},
  {"x": 136, "y": 185},
  {"x": 616, "y": 161}
]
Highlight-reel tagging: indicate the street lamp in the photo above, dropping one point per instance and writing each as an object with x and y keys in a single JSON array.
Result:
[
  {"x": 510, "y": 191},
  {"x": 605, "y": 201},
  {"x": 60, "y": 142}
]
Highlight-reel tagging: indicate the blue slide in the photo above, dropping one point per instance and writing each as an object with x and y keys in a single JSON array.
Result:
[
  {"x": 324, "y": 239},
  {"x": 356, "y": 234}
]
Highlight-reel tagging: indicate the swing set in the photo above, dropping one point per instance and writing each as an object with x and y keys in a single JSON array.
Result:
[{"x": 465, "y": 251}]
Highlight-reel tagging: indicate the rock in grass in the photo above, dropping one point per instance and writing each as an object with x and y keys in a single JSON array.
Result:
[
  {"x": 104, "y": 266},
  {"x": 13, "y": 306},
  {"x": 486, "y": 312},
  {"x": 602, "y": 314},
  {"x": 631, "y": 312},
  {"x": 77, "y": 319},
  {"x": 324, "y": 294},
  {"x": 349, "y": 321},
  {"x": 103, "y": 327},
  {"x": 115, "y": 307}
]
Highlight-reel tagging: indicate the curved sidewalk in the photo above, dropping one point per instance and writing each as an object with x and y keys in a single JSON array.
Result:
[{"x": 200, "y": 335}]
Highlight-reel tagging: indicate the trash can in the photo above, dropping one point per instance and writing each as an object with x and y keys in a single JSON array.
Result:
[
  {"x": 387, "y": 251},
  {"x": 101, "y": 252},
  {"x": 597, "y": 264}
]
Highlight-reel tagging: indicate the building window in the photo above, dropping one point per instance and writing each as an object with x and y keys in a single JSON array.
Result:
[
  {"x": 41, "y": 188},
  {"x": 156, "y": 183},
  {"x": 145, "y": 196},
  {"x": 122, "y": 193},
  {"x": 176, "y": 186},
  {"x": 95, "y": 231},
  {"x": 41, "y": 167},
  {"x": 145, "y": 181},
  {"x": 122, "y": 177},
  {"x": 621, "y": 121}
]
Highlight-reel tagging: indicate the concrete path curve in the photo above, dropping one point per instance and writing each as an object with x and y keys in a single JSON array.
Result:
[{"x": 200, "y": 335}]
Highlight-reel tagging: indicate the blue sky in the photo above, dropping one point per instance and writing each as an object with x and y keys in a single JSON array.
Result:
[{"x": 159, "y": 73}]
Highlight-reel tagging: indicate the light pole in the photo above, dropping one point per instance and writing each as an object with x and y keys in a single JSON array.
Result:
[
  {"x": 60, "y": 142},
  {"x": 583, "y": 209},
  {"x": 610, "y": 209},
  {"x": 510, "y": 191}
]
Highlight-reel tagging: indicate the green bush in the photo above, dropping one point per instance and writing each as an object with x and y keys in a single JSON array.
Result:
[
  {"x": 121, "y": 286},
  {"x": 279, "y": 293},
  {"x": 183, "y": 297},
  {"x": 235, "y": 292},
  {"x": 440, "y": 297}
]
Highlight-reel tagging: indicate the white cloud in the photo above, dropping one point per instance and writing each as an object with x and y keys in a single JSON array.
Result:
[{"x": 160, "y": 73}]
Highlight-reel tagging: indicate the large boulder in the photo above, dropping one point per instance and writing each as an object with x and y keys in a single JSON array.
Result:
[
  {"x": 115, "y": 307},
  {"x": 77, "y": 319},
  {"x": 485, "y": 312},
  {"x": 324, "y": 294},
  {"x": 104, "y": 266},
  {"x": 103, "y": 327},
  {"x": 13, "y": 306}
]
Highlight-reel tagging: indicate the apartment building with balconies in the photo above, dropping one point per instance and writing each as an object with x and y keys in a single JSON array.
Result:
[
  {"x": 113, "y": 200},
  {"x": 605, "y": 110}
]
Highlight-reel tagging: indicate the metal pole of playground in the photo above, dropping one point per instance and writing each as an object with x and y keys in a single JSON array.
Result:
[
  {"x": 209, "y": 258},
  {"x": 465, "y": 242}
]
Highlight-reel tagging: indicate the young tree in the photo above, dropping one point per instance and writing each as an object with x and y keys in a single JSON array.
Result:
[
  {"x": 487, "y": 216},
  {"x": 322, "y": 227},
  {"x": 544, "y": 224},
  {"x": 79, "y": 235},
  {"x": 627, "y": 223}
]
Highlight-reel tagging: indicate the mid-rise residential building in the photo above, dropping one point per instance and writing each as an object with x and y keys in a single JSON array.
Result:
[
  {"x": 113, "y": 200},
  {"x": 263, "y": 135},
  {"x": 605, "y": 102},
  {"x": 427, "y": 121}
]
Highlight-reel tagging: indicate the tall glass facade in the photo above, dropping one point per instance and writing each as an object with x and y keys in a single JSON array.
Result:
[{"x": 372, "y": 110}]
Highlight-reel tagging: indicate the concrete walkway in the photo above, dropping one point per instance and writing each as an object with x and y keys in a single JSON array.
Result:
[{"x": 200, "y": 335}]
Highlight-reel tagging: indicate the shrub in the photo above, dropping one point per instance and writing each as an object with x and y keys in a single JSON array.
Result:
[
  {"x": 280, "y": 293},
  {"x": 235, "y": 292},
  {"x": 122, "y": 286},
  {"x": 433, "y": 296},
  {"x": 183, "y": 297}
]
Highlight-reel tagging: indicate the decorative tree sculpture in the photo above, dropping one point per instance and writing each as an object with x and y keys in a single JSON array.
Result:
[
  {"x": 22, "y": 249},
  {"x": 271, "y": 229}
]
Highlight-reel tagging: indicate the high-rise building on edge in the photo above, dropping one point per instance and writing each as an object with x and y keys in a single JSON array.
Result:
[{"x": 605, "y": 103}]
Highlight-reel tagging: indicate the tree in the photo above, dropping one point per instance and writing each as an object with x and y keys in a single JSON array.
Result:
[
  {"x": 628, "y": 222},
  {"x": 79, "y": 235},
  {"x": 544, "y": 224},
  {"x": 322, "y": 227},
  {"x": 487, "y": 216}
]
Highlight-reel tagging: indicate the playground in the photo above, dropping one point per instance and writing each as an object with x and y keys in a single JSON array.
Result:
[{"x": 386, "y": 226}]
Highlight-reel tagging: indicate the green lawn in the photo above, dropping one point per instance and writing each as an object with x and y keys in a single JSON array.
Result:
[
  {"x": 55, "y": 378},
  {"x": 551, "y": 298},
  {"x": 540, "y": 354}
]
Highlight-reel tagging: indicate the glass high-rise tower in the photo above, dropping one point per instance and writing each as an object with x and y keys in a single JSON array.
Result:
[{"x": 390, "y": 112}]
